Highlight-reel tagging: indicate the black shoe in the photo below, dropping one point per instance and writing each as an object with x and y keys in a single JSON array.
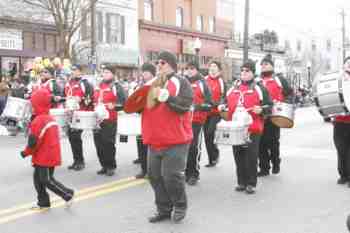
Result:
[
  {"x": 262, "y": 173},
  {"x": 102, "y": 171},
  {"x": 275, "y": 169},
  {"x": 110, "y": 172},
  {"x": 179, "y": 215},
  {"x": 71, "y": 167},
  {"x": 250, "y": 189},
  {"x": 159, "y": 217},
  {"x": 210, "y": 165},
  {"x": 79, "y": 166},
  {"x": 192, "y": 181},
  {"x": 342, "y": 180},
  {"x": 240, "y": 188},
  {"x": 141, "y": 175},
  {"x": 136, "y": 161},
  {"x": 39, "y": 208}
]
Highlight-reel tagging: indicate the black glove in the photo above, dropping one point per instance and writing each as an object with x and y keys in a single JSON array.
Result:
[{"x": 22, "y": 154}]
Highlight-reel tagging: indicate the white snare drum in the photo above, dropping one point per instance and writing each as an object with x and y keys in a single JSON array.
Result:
[
  {"x": 283, "y": 115},
  {"x": 228, "y": 134},
  {"x": 332, "y": 94},
  {"x": 129, "y": 124},
  {"x": 84, "y": 120},
  {"x": 72, "y": 103},
  {"x": 17, "y": 108}
]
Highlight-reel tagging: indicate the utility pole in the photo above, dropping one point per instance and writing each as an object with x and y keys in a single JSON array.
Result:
[
  {"x": 343, "y": 33},
  {"x": 246, "y": 31},
  {"x": 93, "y": 35}
]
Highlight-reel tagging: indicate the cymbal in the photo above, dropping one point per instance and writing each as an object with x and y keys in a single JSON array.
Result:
[{"x": 137, "y": 101}]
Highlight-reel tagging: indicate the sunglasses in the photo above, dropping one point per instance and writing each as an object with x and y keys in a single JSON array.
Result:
[{"x": 160, "y": 63}]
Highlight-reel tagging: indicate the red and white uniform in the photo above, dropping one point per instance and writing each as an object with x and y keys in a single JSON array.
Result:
[
  {"x": 249, "y": 98},
  {"x": 274, "y": 87},
  {"x": 107, "y": 94},
  {"x": 199, "y": 117},
  {"x": 162, "y": 127},
  {"x": 77, "y": 88},
  {"x": 217, "y": 88}
]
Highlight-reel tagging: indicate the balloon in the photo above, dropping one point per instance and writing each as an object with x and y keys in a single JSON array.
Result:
[{"x": 47, "y": 63}]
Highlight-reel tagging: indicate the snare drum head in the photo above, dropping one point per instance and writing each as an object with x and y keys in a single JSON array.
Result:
[{"x": 282, "y": 122}]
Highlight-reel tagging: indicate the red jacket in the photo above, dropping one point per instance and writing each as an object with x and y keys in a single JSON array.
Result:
[
  {"x": 342, "y": 119},
  {"x": 217, "y": 89},
  {"x": 251, "y": 97},
  {"x": 43, "y": 141},
  {"x": 162, "y": 127},
  {"x": 109, "y": 95},
  {"x": 80, "y": 89},
  {"x": 274, "y": 87}
]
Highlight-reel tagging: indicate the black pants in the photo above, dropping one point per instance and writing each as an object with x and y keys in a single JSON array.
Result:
[
  {"x": 269, "y": 146},
  {"x": 142, "y": 153},
  {"x": 246, "y": 159},
  {"x": 104, "y": 139},
  {"x": 209, "y": 135},
  {"x": 341, "y": 137},
  {"x": 74, "y": 137},
  {"x": 195, "y": 151},
  {"x": 166, "y": 174},
  {"x": 43, "y": 178}
]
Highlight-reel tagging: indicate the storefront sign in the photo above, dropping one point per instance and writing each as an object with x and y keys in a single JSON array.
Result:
[
  {"x": 11, "y": 39},
  {"x": 188, "y": 47}
]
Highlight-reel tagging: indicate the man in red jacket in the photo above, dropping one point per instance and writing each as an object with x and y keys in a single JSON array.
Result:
[
  {"x": 279, "y": 91},
  {"x": 202, "y": 105},
  {"x": 45, "y": 149},
  {"x": 218, "y": 91},
  {"x": 111, "y": 95},
  {"x": 166, "y": 129},
  {"x": 341, "y": 137}
]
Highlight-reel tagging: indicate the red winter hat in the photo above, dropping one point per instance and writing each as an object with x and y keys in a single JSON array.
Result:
[{"x": 41, "y": 102}]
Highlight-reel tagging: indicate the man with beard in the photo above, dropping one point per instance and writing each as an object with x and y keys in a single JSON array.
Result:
[
  {"x": 279, "y": 90},
  {"x": 218, "y": 91},
  {"x": 202, "y": 105}
]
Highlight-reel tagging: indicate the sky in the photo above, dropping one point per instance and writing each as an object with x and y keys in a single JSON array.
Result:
[{"x": 295, "y": 19}]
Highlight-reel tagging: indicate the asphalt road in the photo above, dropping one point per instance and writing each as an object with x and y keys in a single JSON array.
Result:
[{"x": 304, "y": 197}]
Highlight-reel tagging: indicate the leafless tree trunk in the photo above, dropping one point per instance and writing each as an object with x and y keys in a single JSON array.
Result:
[{"x": 67, "y": 15}]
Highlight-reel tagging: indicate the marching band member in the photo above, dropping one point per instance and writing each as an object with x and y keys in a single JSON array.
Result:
[
  {"x": 341, "y": 137},
  {"x": 148, "y": 73},
  {"x": 44, "y": 147},
  {"x": 218, "y": 89},
  {"x": 202, "y": 105},
  {"x": 166, "y": 129},
  {"x": 253, "y": 97},
  {"x": 83, "y": 91},
  {"x": 279, "y": 90},
  {"x": 111, "y": 95}
]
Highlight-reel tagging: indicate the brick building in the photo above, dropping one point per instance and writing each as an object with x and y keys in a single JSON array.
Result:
[
  {"x": 175, "y": 25},
  {"x": 24, "y": 34}
]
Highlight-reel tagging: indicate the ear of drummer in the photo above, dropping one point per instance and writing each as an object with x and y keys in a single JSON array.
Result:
[{"x": 347, "y": 64}]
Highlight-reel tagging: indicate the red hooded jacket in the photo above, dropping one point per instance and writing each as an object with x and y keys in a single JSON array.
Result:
[{"x": 43, "y": 141}]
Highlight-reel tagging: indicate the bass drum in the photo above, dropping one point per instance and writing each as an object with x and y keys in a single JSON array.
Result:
[{"x": 332, "y": 94}]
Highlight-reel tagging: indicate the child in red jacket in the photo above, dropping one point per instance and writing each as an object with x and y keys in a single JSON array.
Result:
[{"x": 44, "y": 147}]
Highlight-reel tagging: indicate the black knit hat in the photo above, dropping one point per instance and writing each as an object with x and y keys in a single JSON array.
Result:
[
  {"x": 51, "y": 70},
  {"x": 346, "y": 59},
  {"x": 193, "y": 64},
  {"x": 108, "y": 67},
  {"x": 268, "y": 59},
  {"x": 149, "y": 67},
  {"x": 169, "y": 58},
  {"x": 217, "y": 63},
  {"x": 250, "y": 64}
]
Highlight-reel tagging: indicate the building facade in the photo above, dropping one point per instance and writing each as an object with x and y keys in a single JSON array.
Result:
[
  {"x": 24, "y": 37},
  {"x": 117, "y": 41},
  {"x": 175, "y": 26}
]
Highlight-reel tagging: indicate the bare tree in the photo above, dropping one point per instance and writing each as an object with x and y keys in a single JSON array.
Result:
[{"x": 67, "y": 15}]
